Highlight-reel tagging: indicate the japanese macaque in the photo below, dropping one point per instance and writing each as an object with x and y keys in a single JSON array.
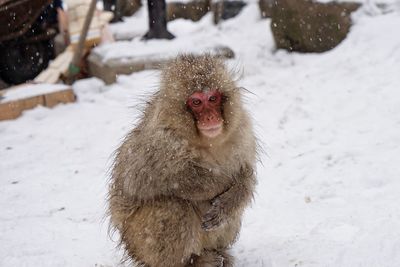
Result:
[{"x": 182, "y": 178}]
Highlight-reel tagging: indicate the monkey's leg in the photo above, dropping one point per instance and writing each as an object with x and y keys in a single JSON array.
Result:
[
  {"x": 162, "y": 233},
  {"x": 212, "y": 258}
]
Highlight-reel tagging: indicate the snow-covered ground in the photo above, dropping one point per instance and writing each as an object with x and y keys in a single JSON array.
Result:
[{"x": 329, "y": 181}]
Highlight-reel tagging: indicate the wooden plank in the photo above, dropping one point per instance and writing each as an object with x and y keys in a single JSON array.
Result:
[
  {"x": 48, "y": 76},
  {"x": 10, "y": 110},
  {"x": 73, "y": 3},
  {"x": 13, "y": 109},
  {"x": 31, "y": 102},
  {"x": 56, "y": 67},
  {"x": 67, "y": 60},
  {"x": 65, "y": 96},
  {"x": 59, "y": 60}
]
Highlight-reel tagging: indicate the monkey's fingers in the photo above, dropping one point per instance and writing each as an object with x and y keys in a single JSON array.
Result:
[
  {"x": 210, "y": 225},
  {"x": 211, "y": 221}
]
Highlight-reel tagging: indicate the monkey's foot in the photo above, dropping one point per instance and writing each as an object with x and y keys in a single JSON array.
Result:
[
  {"x": 212, "y": 258},
  {"x": 228, "y": 258}
]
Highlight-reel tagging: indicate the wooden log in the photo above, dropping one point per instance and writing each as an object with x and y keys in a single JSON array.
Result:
[{"x": 108, "y": 70}]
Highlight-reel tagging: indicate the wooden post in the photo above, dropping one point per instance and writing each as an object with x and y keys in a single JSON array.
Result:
[
  {"x": 157, "y": 21},
  {"x": 74, "y": 67}
]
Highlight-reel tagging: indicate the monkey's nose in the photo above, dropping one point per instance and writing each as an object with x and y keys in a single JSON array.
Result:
[{"x": 211, "y": 117}]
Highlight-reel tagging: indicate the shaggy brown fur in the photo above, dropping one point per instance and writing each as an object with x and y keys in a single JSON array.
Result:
[{"x": 177, "y": 197}]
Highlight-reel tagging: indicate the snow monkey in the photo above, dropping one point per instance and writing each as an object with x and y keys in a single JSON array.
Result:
[{"x": 182, "y": 178}]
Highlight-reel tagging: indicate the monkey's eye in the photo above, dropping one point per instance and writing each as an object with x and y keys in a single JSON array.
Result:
[
  {"x": 212, "y": 98},
  {"x": 196, "y": 102}
]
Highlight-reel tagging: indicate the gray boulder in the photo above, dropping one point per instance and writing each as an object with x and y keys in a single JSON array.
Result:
[{"x": 307, "y": 26}]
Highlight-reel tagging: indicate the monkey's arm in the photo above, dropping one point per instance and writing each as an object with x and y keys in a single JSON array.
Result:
[
  {"x": 158, "y": 164},
  {"x": 169, "y": 178},
  {"x": 232, "y": 201},
  {"x": 197, "y": 183},
  {"x": 183, "y": 185}
]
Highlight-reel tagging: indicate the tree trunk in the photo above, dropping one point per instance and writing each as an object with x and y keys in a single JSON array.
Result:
[{"x": 157, "y": 21}]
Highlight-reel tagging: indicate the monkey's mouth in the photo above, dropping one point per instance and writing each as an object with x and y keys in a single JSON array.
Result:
[{"x": 210, "y": 131}]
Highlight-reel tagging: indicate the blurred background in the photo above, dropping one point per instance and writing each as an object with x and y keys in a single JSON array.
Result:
[{"x": 322, "y": 82}]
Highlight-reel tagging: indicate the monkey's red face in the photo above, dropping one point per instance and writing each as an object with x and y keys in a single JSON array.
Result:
[{"x": 207, "y": 110}]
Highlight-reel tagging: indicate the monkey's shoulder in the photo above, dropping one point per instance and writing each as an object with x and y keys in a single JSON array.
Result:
[{"x": 154, "y": 150}]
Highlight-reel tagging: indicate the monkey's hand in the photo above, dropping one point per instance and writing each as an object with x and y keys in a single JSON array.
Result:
[
  {"x": 232, "y": 201},
  {"x": 215, "y": 216}
]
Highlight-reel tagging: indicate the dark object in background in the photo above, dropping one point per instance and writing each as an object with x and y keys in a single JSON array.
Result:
[
  {"x": 307, "y": 26},
  {"x": 121, "y": 8},
  {"x": 24, "y": 61},
  {"x": 49, "y": 15},
  {"x": 266, "y": 8},
  {"x": 129, "y": 7},
  {"x": 157, "y": 21},
  {"x": 109, "y": 5},
  {"x": 193, "y": 10},
  {"x": 224, "y": 10},
  {"x": 17, "y": 16},
  {"x": 115, "y": 7},
  {"x": 25, "y": 39}
]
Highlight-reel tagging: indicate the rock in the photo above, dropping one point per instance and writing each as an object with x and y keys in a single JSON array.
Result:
[
  {"x": 307, "y": 26},
  {"x": 122, "y": 8},
  {"x": 266, "y": 8},
  {"x": 224, "y": 10},
  {"x": 194, "y": 10},
  {"x": 129, "y": 7}
]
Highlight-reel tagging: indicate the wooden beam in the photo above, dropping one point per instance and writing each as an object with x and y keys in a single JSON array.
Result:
[{"x": 12, "y": 109}]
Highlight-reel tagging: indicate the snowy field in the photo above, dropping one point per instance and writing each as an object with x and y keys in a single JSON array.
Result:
[{"x": 329, "y": 181}]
